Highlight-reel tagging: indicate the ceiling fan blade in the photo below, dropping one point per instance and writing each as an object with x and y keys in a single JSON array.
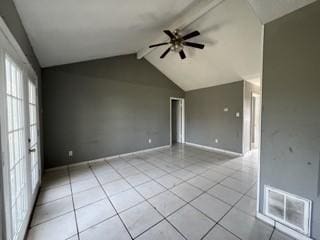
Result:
[
  {"x": 195, "y": 45},
  {"x": 170, "y": 34},
  {"x": 159, "y": 44},
  {"x": 191, "y": 35},
  {"x": 182, "y": 54},
  {"x": 165, "y": 53}
]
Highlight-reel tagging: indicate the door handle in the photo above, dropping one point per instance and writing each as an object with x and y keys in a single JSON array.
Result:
[{"x": 32, "y": 150}]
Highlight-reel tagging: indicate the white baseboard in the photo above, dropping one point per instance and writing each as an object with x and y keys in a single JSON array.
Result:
[
  {"x": 282, "y": 228},
  {"x": 107, "y": 158},
  {"x": 215, "y": 149},
  {"x": 145, "y": 150}
]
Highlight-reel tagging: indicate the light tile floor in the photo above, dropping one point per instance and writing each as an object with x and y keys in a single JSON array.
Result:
[{"x": 170, "y": 194}]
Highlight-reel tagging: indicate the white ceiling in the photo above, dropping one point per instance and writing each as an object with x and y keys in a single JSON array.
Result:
[
  {"x": 268, "y": 10},
  {"x": 232, "y": 35},
  {"x": 76, "y": 30},
  {"x": 69, "y": 31}
]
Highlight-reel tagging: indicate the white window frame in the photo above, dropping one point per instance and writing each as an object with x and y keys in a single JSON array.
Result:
[{"x": 307, "y": 211}]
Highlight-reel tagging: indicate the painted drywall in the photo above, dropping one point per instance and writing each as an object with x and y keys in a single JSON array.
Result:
[
  {"x": 206, "y": 119},
  {"x": 104, "y": 107},
  {"x": 290, "y": 149},
  {"x": 249, "y": 88}
]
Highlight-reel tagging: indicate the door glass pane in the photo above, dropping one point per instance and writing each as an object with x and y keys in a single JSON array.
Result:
[
  {"x": 33, "y": 138},
  {"x": 17, "y": 145}
]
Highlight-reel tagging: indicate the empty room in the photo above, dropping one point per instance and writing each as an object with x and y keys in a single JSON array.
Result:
[{"x": 160, "y": 120}]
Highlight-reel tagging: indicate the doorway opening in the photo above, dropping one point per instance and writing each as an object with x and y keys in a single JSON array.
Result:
[
  {"x": 255, "y": 128},
  {"x": 177, "y": 115}
]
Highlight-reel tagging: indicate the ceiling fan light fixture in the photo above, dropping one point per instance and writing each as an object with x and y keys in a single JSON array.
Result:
[
  {"x": 176, "y": 47},
  {"x": 178, "y": 42}
]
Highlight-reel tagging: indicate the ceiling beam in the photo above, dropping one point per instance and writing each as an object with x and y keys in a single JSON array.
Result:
[{"x": 190, "y": 15}]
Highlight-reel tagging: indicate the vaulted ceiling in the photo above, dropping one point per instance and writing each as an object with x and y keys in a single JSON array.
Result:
[
  {"x": 63, "y": 32},
  {"x": 76, "y": 30},
  {"x": 232, "y": 35}
]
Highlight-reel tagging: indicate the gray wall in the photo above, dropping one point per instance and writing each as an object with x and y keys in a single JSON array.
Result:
[
  {"x": 10, "y": 15},
  {"x": 291, "y": 113},
  {"x": 103, "y": 108},
  {"x": 206, "y": 119}
]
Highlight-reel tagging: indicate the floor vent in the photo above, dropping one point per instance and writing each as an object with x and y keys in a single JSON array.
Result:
[{"x": 288, "y": 209}]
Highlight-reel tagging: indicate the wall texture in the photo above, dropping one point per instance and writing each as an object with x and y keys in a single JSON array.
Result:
[
  {"x": 291, "y": 114},
  {"x": 103, "y": 108},
  {"x": 207, "y": 121},
  {"x": 11, "y": 17}
]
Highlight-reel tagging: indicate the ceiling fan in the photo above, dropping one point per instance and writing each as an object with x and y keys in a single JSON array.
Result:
[{"x": 178, "y": 42}]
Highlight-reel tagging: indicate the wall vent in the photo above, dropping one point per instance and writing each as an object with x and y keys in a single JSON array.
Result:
[{"x": 288, "y": 209}]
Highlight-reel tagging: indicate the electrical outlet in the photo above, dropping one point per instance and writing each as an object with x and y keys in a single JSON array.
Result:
[
  {"x": 216, "y": 140},
  {"x": 70, "y": 153},
  {"x": 237, "y": 114},
  {"x": 226, "y": 109},
  {"x": 149, "y": 140}
]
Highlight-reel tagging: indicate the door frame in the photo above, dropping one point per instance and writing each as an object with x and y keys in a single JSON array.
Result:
[
  {"x": 182, "y": 104},
  {"x": 12, "y": 48},
  {"x": 253, "y": 119}
]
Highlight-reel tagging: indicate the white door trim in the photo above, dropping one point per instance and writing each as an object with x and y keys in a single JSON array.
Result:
[
  {"x": 181, "y": 101},
  {"x": 252, "y": 123}
]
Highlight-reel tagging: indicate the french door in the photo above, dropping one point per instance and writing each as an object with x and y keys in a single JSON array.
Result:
[
  {"x": 19, "y": 143},
  {"x": 33, "y": 139}
]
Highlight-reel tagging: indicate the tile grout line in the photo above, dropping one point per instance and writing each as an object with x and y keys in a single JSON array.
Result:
[
  {"x": 74, "y": 209},
  {"x": 110, "y": 203},
  {"x": 232, "y": 207},
  {"x": 164, "y": 218},
  {"x": 204, "y": 192},
  {"x": 187, "y": 202},
  {"x": 167, "y": 189},
  {"x": 207, "y": 169}
]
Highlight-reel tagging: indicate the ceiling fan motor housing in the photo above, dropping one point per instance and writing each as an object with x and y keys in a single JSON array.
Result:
[{"x": 176, "y": 43}]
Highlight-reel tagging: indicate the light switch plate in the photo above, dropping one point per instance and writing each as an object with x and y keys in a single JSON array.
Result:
[{"x": 237, "y": 114}]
